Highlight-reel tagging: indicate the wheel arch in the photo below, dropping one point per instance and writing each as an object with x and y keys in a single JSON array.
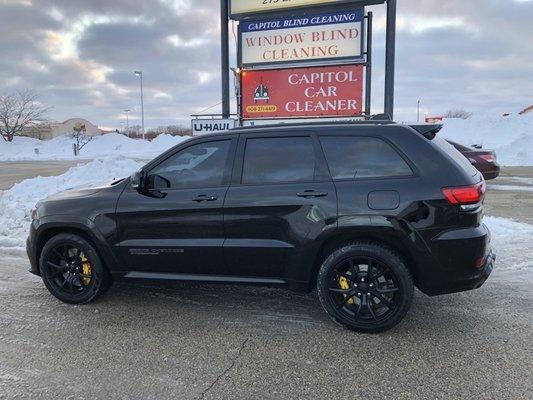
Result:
[
  {"x": 48, "y": 231},
  {"x": 382, "y": 237}
]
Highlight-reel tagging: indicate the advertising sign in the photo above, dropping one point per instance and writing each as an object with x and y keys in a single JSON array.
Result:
[
  {"x": 434, "y": 120},
  {"x": 245, "y": 7},
  {"x": 303, "y": 92},
  {"x": 331, "y": 36},
  {"x": 204, "y": 126}
]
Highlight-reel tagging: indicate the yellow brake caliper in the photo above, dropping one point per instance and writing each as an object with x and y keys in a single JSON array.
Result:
[
  {"x": 86, "y": 268},
  {"x": 345, "y": 285}
]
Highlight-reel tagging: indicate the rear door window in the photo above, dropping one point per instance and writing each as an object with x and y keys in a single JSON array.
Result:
[
  {"x": 278, "y": 160},
  {"x": 352, "y": 157}
]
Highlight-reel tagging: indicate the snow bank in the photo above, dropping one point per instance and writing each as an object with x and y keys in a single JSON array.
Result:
[
  {"x": 513, "y": 243},
  {"x": 511, "y": 137},
  {"x": 16, "y": 203},
  {"x": 60, "y": 148}
]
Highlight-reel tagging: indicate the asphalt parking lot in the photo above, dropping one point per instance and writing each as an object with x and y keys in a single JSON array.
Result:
[{"x": 197, "y": 341}]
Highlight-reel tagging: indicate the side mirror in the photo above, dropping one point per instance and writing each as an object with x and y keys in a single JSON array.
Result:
[
  {"x": 136, "y": 180},
  {"x": 157, "y": 182}
]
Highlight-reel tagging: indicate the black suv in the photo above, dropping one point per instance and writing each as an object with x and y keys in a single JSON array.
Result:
[{"x": 363, "y": 212}]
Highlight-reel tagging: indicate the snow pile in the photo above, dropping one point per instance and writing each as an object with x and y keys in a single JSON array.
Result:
[
  {"x": 513, "y": 243},
  {"x": 511, "y": 137},
  {"x": 16, "y": 203},
  {"x": 60, "y": 148}
]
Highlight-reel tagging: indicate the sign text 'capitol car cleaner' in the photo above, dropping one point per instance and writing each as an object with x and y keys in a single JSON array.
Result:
[
  {"x": 305, "y": 38},
  {"x": 302, "y": 92},
  {"x": 242, "y": 7}
]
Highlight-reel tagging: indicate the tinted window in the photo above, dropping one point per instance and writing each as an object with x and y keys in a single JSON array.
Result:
[
  {"x": 360, "y": 157},
  {"x": 455, "y": 155},
  {"x": 273, "y": 160},
  {"x": 201, "y": 165}
]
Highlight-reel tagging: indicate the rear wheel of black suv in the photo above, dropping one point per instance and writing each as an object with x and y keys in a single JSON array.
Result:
[
  {"x": 365, "y": 287},
  {"x": 72, "y": 270}
]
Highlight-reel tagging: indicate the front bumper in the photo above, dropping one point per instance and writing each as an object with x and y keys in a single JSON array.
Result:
[{"x": 31, "y": 250}]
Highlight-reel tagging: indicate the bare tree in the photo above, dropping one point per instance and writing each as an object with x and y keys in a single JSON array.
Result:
[
  {"x": 458, "y": 113},
  {"x": 174, "y": 130},
  {"x": 79, "y": 134},
  {"x": 18, "y": 112}
]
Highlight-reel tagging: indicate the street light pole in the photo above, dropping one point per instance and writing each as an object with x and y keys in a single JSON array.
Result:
[
  {"x": 418, "y": 111},
  {"x": 140, "y": 75}
]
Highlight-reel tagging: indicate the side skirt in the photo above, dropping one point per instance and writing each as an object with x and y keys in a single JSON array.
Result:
[{"x": 202, "y": 278}]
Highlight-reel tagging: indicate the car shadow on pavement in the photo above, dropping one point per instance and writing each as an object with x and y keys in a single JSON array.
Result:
[{"x": 274, "y": 309}]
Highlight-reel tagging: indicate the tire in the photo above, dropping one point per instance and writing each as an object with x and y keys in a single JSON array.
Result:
[
  {"x": 68, "y": 283},
  {"x": 365, "y": 287}
]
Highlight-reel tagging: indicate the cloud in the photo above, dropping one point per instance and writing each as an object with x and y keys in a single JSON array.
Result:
[{"x": 80, "y": 55}]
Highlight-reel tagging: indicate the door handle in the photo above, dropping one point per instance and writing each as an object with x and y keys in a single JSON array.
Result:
[
  {"x": 204, "y": 197},
  {"x": 312, "y": 193}
]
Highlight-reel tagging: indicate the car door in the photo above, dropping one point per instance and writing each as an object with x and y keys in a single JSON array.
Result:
[
  {"x": 177, "y": 226},
  {"x": 280, "y": 201}
]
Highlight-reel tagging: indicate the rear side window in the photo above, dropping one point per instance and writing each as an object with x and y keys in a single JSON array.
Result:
[
  {"x": 278, "y": 160},
  {"x": 455, "y": 154},
  {"x": 351, "y": 157}
]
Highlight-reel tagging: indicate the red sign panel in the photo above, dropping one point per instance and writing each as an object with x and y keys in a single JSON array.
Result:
[
  {"x": 434, "y": 120},
  {"x": 303, "y": 92}
]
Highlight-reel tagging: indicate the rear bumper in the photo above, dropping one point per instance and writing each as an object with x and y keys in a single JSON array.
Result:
[
  {"x": 492, "y": 173},
  {"x": 467, "y": 282},
  {"x": 466, "y": 261}
]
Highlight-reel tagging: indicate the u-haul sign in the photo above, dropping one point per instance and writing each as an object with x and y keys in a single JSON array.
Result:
[{"x": 204, "y": 126}]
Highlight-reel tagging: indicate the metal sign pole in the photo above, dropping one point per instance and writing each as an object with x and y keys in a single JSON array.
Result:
[
  {"x": 368, "y": 85},
  {"x": 224, "y": 57},
  {"x": 389, "y": 58}
]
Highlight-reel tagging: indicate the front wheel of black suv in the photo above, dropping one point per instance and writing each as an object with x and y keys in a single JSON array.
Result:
[
  {"x": 72, "y": 270},
  {"x": 365, "y": 286}
]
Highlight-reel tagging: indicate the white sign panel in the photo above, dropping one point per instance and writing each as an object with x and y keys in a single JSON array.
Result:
[
  {"x": 256, "y": 6},
  {"x": 205, "y": 126},
  {"x": 331, "y": 36}
]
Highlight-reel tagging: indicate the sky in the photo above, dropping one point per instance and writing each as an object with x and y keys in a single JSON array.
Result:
[{"x": 79, "y": 57}]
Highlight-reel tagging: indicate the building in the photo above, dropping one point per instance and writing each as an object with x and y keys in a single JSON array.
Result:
[{"x": 47, "y": 131}]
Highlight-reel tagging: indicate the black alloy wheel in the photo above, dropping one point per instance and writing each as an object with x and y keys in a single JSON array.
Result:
[
  {"x": 365, "y": 287},
  {"x": 71, "y": 269}
]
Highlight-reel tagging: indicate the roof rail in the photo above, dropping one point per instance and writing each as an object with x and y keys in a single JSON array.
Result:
[{"x": 317, "y": 123}]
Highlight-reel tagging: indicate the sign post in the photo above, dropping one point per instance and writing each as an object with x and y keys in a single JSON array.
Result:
[
  {"x": 311, "y": 33},
  {"x": 390, "y": 56},
  {"x": 224, "y": 57}
]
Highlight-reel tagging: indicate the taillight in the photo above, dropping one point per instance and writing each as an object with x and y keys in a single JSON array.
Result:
[
  {"x": 488, "y": 157},
  {"x": 464, "y": 195}
]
